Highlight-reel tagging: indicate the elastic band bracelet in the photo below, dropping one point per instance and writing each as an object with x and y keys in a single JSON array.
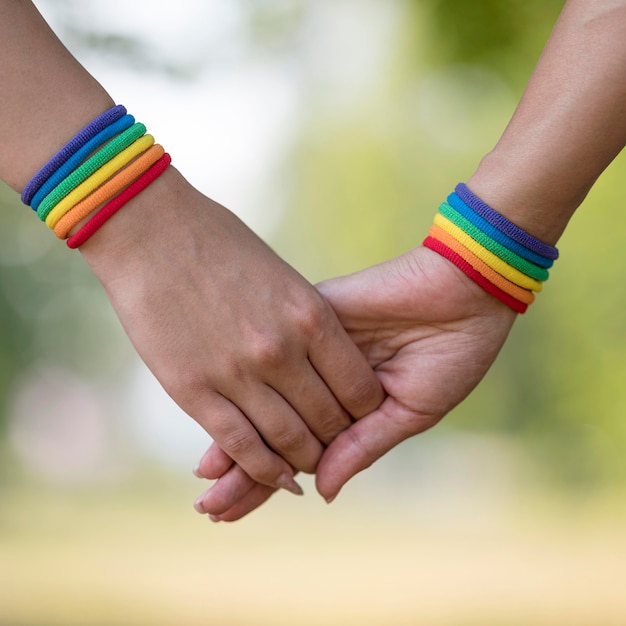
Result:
[
  {"x": 504, "y": 225},
  {"x": 79, "y": 140},
  {"x": 497, "y": 235},
  {"x": 79, "y": 156},
  {"x": 523, "y": 295},
  {"x": 108, "y": 190},
  {"x": 112, "y": 207},
  {"x": 98, "y": 178},
  {"x": 500, "y": 266},
  {"x": 466, "y": 268},
  {"x": 528, "y": 268},
  {"x": 101, "y": 157}
]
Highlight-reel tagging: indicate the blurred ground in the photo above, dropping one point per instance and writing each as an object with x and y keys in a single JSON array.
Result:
[{"x": 138, "y": 554}]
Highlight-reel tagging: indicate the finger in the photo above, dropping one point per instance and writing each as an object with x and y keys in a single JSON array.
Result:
[
  {"x": 314, "y": 402},
  {"x": 213, "y": 464},
  {"x": 225, "y": 493},
  {"x": 257, "y": 496},
  {"x": 345, "y": 370},
  {"x": 356, "y": 448},
  {"x": 280, "y": 426},
  {"x": 353, "y": 294},
  {"x": 236, "y": 436}
]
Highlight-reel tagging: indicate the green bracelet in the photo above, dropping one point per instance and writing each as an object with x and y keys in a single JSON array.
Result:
[{"x": 104, "y": 155}]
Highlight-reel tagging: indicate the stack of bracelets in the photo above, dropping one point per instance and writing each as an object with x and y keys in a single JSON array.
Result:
[
  {"x": 97, "y": 172},
  {"x": 495, "y": 253}
]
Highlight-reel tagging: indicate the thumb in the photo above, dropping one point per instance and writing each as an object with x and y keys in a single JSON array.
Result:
[
  {"x": 364, "y": 442},
  {"x": 351, "y": 294},
  {"x": 339, "y": 292}
]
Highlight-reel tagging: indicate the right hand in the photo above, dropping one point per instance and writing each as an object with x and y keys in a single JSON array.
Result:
[{"x": 240, "y": 341}]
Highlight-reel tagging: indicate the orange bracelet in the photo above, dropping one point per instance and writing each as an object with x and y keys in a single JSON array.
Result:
[
  {"x": 517, "y": 292},
  {"x": 104, "y": 193}
]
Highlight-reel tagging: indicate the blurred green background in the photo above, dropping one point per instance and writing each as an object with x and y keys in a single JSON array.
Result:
[{"x": 334, "y": 128}]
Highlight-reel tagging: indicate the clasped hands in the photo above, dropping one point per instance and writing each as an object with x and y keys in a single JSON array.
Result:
[
  {"x": 283, "y": 376},
  {"x": 428, "y": 333}
]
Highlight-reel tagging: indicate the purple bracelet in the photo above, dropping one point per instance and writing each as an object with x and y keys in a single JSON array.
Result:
[
  {"x": 504, "y": 225},
  {"x": 77, "y": 142}
]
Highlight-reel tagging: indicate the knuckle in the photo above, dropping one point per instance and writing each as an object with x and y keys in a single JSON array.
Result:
[
  {"x": 269, "y": 351},
  {"x": 329, "y": 426},
  {"x": 329, "y": 423},
  {"x": 363, "y": 396},
  {"x": 239, "y": 444},
  {"x": 312, "y": 319},
  {"x": 289, "y": 441},
  {"x": 248, "y": 451}
]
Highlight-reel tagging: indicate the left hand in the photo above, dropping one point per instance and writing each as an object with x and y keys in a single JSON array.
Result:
[{"x": 239, "y": 340}]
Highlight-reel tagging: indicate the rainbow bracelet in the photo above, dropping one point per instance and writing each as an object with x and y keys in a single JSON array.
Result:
[
  {"x": 79, "y": 156},
  {"x": 109, "y": 190},
  {"x": 87, "y": 168},
  {"x": 503, "y": 259},
  {"x": 104, "y": 165},
  {"x": 99, "y": 177}
]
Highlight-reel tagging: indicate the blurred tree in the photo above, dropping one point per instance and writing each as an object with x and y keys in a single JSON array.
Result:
[
  {"x": 505, "y": 36},
  {"x": 52, "y": 310}
]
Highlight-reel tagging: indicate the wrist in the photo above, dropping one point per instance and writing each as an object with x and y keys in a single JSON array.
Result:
[
  {"x": 505, "y": 260},
  {"x": 527, "y": 194},
  {"x": 148, "y": 217}
]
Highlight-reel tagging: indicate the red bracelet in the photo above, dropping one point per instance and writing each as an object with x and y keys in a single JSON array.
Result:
[
  {"x": 113, "y": 206},
  {"x": 477, "y": 277}
]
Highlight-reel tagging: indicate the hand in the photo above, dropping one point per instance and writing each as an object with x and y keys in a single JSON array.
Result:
[
  {"x": 429, "y": 332},
  {"x": 238, "y": 338}
]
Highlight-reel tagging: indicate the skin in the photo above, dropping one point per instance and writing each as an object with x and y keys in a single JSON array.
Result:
[
  {"x": 241, "y": 341},
  {"x": 430, "y": 333}
]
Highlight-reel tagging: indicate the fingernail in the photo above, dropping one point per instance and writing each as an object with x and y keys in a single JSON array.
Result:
[
  {"x": 286, "y": 481},
  {"x": 215, "y": 518},
  {"x": 329, "y": 500},
  {"x": 197, "y": 505},
  {"x": 196, "y": 471}
]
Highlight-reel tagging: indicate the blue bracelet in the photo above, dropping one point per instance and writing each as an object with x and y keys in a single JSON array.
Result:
[
  {"x": 79, "y": 140},
  {"x": 497, "y": 235},
  {"x": 504, "y": 225}
]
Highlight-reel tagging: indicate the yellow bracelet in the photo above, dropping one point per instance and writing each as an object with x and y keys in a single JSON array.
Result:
[
  {"x": 497, "y": 264},
  {"x": 108, "y": 190},
  {"x": 100, "y": 176}
]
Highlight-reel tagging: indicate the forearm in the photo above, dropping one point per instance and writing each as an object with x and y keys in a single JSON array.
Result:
[
  {"x": 569, "y": 125},
  {"x": 46, "y": 94}
]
